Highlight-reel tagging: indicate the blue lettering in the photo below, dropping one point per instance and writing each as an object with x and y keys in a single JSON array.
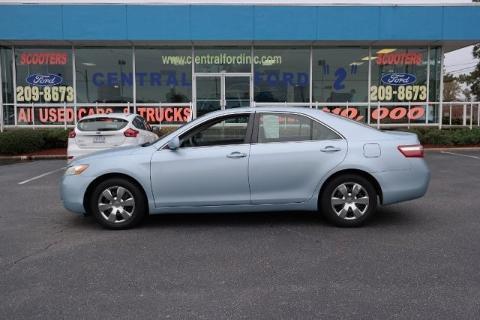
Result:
[
  {"x": 112, "y": 79},
  {"x": 185, "y": 82},
  {"x": 140, "y": 78},
  {"x": 288, "y": 78},
  {"x": 97, "y": 79},
  {"x": 302, "y": 80},
  {"x": 126, "y": 79},
  {"x": 257, "y": 77},
  {"x": 172, "y": 79},
  {"x": 341, "y": 74},
  {"x": 272, "y": 79},
  {"x": 155, "y": 79}
]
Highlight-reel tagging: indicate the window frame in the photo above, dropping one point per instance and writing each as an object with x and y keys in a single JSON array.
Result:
[
  {"x": 208, "y": 123},
  {"x": 256, "y": 127}
]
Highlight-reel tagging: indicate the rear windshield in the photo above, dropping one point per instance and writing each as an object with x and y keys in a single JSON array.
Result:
[{"x": 102, "y": 124}]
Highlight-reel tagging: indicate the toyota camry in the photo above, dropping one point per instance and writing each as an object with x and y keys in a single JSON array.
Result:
[{"x": 251, "y": 160}]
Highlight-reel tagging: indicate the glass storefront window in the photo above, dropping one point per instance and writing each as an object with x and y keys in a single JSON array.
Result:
[
  {"x": 222, "y": 59},
  {"x": 44, "y": 75},
  {"x": 163, "y": 75},
  {"x": 399, "y": 75},
  {"x": 7, "y": 81},
  {"x": 7, "y": 85},
  {"x": 104, "y": 75},
  {"x": 340, "y": 74},
  {"x": 282, "y": 74},
  {"x": 435, "y": 65}
]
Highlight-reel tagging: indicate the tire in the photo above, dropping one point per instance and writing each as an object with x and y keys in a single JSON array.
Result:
[
  {"x": 114, "y": 212},
  {"x": 348, "y": 200}
]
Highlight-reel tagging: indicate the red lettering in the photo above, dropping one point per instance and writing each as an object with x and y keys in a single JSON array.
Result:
[
  {"x": 380, "y": 113},
  {"x": 187, "y": 112},
  {"x": 399, "y": 58},
  {"x": 168, "y": 114},
  {"x": 23, "y": 116},
  {"x": 398, "y": 113},
  {"x": 416, "y": 112},
  {"x": 177, "y": 114},
  {"x": 150, "y": 115}
]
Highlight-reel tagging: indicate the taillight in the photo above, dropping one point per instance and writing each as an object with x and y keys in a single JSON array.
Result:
[
  {"x": 72, "y": 134},
  {"x": 412, "y": 151},
  {"x": 131, "y": 133}
]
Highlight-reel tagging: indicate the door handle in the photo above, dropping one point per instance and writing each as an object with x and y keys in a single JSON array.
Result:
[
  {"x": 236, "y": 155},
  {"x": 330, "y": 149}
]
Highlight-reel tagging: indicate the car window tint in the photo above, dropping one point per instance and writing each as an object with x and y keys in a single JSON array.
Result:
[
  {"x": 101, "y": 124},
  {"x": 290, "y": 127},
  {"x": 224, "y": 131}
]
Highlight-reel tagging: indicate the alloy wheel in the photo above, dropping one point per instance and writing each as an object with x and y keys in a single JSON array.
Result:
[
  {"x": 116, "y": 204},
  {"x": 350, "y": 200}
]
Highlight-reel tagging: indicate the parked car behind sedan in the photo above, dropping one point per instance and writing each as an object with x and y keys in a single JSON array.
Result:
[
  {"x": 105, "y": 131},
  {"x": 252, "y": 159}
]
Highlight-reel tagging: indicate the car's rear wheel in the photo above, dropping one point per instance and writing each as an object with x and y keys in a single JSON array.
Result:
[
  {"x": 118, "y": 204},
  {"x": 348, "y": 200}
]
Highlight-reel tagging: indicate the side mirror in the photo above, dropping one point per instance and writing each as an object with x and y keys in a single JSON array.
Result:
[
  {"x": 174, "y": 144},
  {"x": 156, "y": 130}
]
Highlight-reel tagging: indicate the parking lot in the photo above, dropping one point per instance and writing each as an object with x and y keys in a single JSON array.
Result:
[{"x": 415, "y": 260}]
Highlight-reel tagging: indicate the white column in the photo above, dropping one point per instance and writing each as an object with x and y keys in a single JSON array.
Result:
[{"x": 440, "y": 106}]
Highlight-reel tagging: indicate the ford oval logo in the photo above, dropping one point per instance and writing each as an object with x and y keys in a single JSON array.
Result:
[
  {"x": 42, "y": 80},
  {"x": 398, "y": 79}
]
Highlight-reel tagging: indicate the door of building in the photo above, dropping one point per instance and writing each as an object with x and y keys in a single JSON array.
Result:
[{"x": 220, "y": 91}]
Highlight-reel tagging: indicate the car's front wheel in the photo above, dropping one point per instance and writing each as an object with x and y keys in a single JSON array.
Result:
[
  {"x": 118, "y": 204},
  {"x": 348, "y": 200}
]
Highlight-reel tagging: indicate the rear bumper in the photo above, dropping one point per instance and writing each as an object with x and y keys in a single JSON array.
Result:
[{"x": 403, "y": 185}]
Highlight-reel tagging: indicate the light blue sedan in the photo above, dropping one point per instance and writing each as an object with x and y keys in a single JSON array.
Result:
[{"x": 251, "y": 159}]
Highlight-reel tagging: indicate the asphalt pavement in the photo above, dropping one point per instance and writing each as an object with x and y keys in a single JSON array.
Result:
[{"x": 415, "y": 260}]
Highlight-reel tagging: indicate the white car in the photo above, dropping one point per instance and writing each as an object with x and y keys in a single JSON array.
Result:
[{"x": 105, "y": 131}]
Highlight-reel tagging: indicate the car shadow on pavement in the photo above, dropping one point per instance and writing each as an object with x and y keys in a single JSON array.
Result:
[{"x": 384, "y": 217}]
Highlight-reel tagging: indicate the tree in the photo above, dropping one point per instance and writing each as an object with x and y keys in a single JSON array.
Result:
[
  {"x": 451, "y": 88},
  {"x": 473, "y": 79}
]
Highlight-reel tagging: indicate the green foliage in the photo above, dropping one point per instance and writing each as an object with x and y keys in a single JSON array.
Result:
[
  {"x": 19, "y": 141},
  {"x": 448, "y": 137},
  {"x": 54, "y": 138}
]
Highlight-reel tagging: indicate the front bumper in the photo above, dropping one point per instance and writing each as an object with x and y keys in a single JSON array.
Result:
[{"x": 72, "y": 192}]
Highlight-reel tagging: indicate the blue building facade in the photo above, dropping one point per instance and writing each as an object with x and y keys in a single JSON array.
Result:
[{"x": 170, "y": 63}]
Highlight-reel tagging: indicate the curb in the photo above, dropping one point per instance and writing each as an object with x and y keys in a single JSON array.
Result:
[{"x": 35, "y": 157}]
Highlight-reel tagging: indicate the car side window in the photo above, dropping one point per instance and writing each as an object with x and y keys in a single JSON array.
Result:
[
  {"x": 224, "y": 131},
  {"x": 282, "y": 127},
  {"x": 139, "y": 123}
]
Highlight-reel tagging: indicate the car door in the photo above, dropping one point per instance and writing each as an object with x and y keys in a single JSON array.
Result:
[
  {"x": 209, "y": 169},
  {"x": 289, "y": 156}
]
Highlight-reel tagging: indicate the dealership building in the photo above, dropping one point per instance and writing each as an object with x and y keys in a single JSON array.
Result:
[{"x": 378, "y": 64}]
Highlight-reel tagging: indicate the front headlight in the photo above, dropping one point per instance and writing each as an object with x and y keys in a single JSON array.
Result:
[{"x": 76, "y": 170}]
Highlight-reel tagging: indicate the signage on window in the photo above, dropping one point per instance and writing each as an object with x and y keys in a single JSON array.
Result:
[
  {"x": 44, "y": 80},
  {"x": 41, "y": 58},
  {"x": 60, "y": 115},
  {"x": 399, "y": 58}
]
